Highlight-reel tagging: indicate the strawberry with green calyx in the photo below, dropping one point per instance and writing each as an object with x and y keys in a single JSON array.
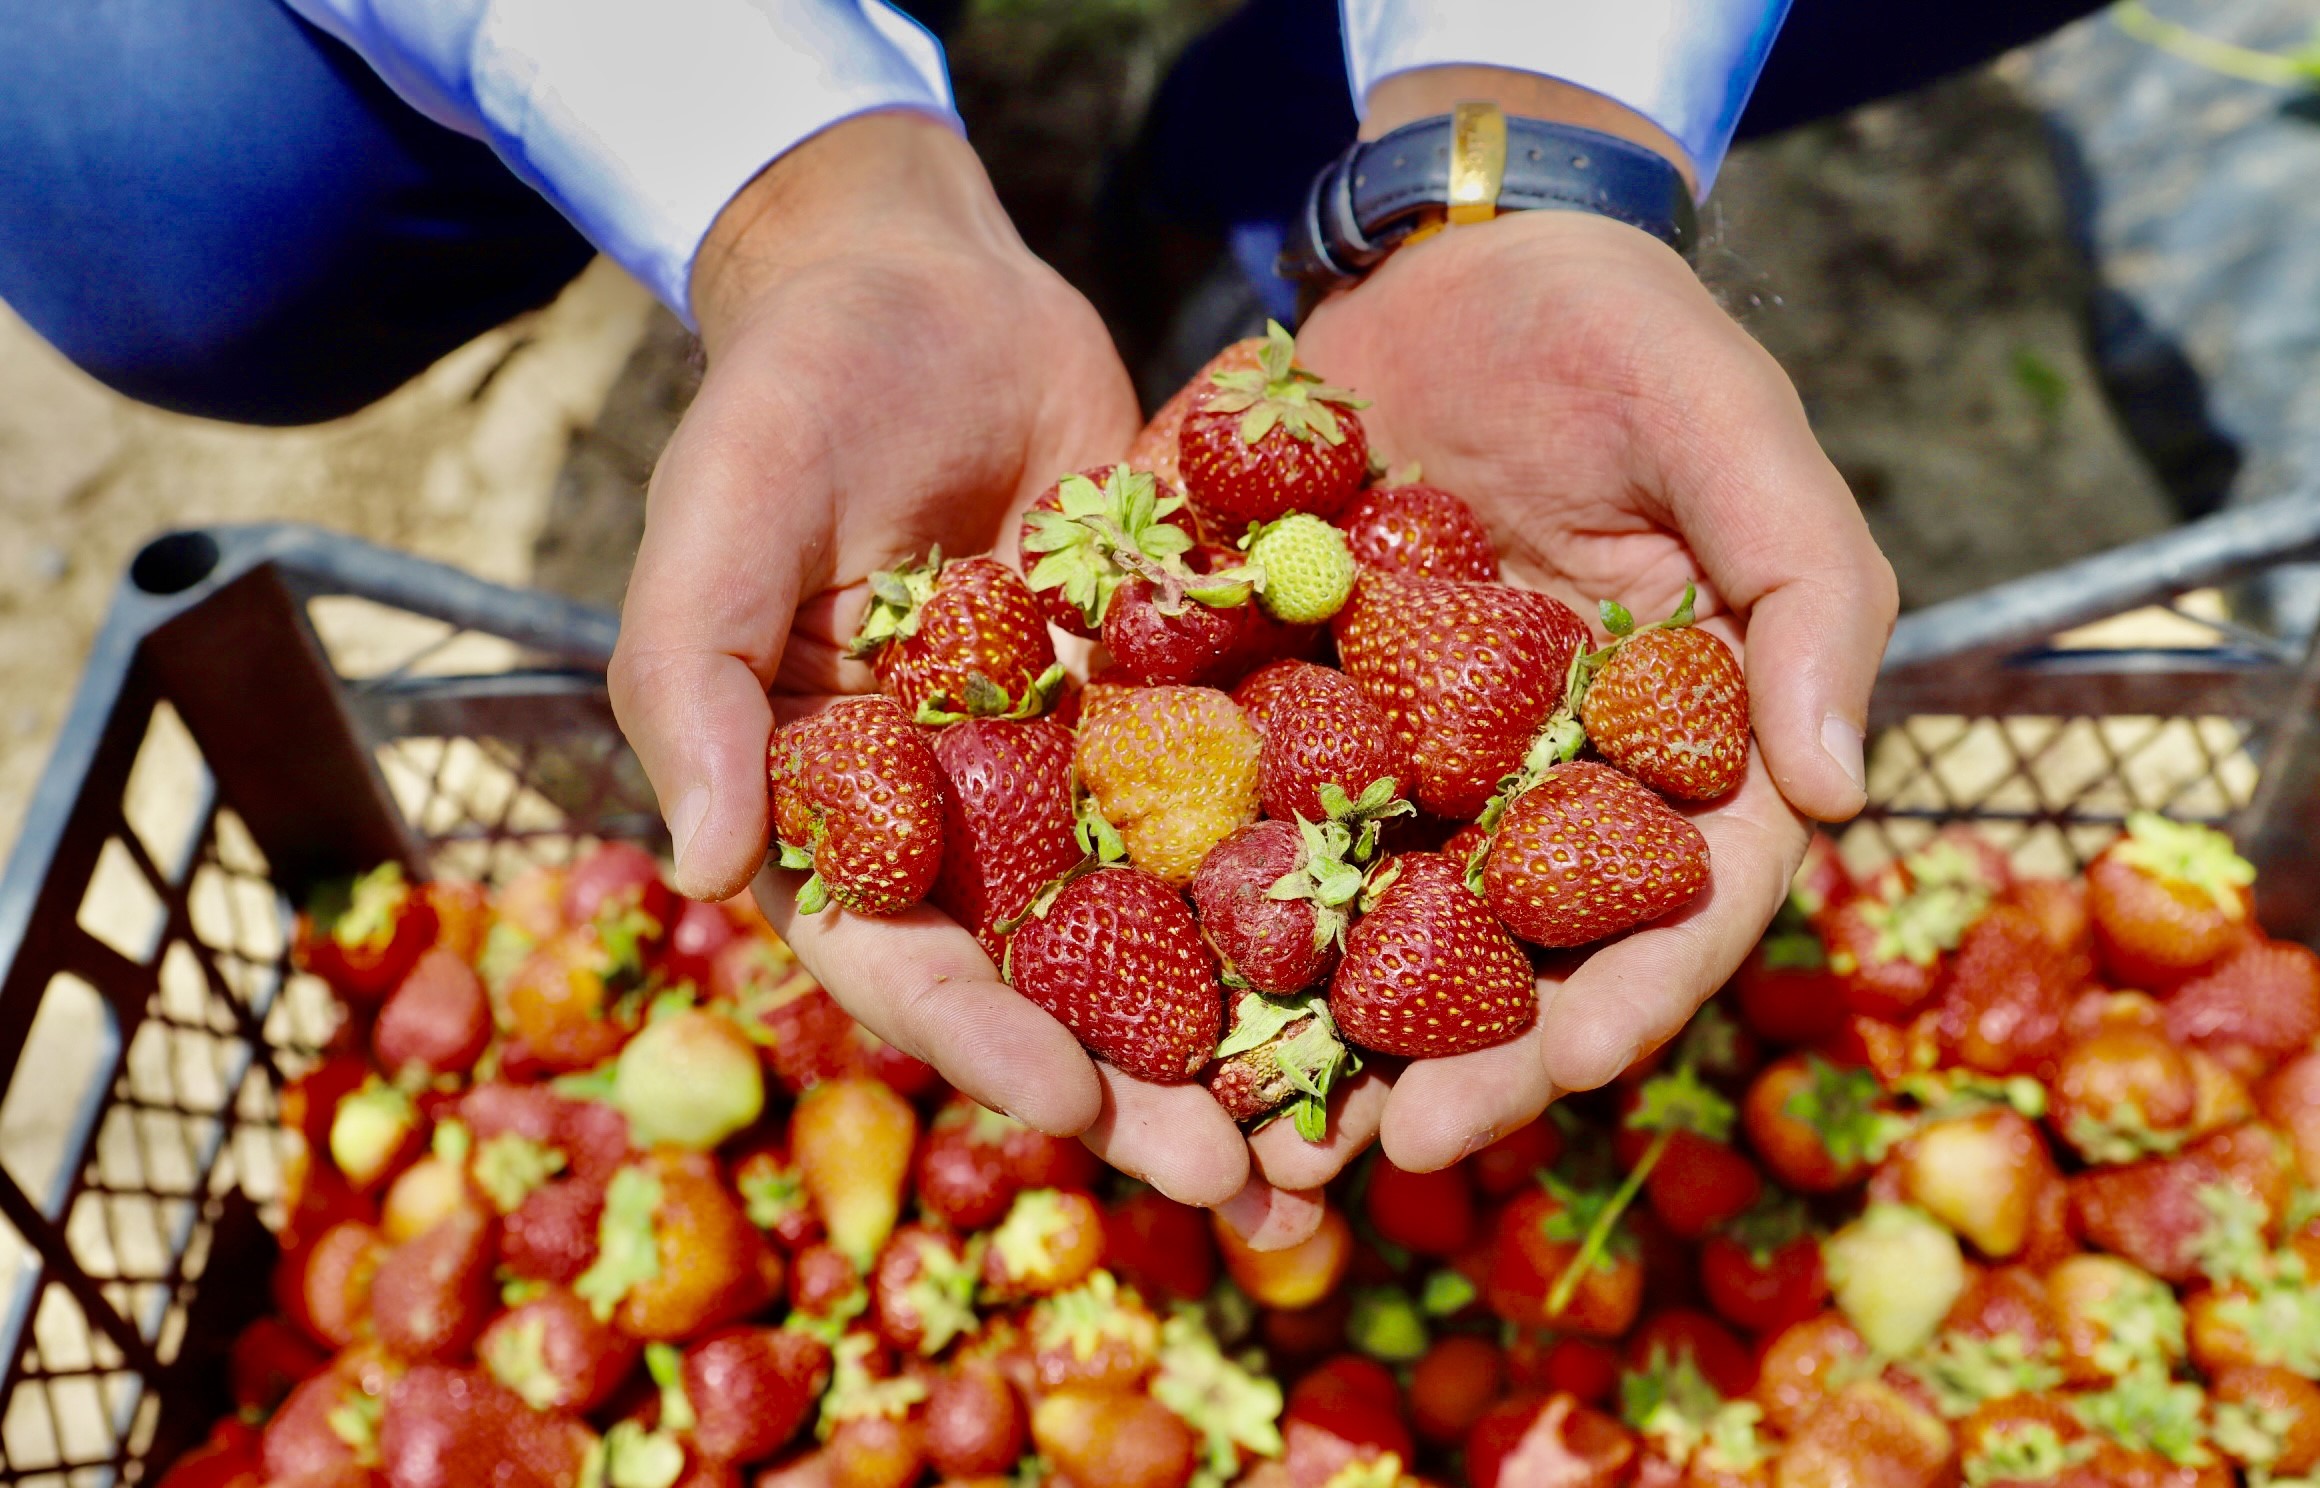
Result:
[
  {"x": 1116, "y": 957},
  {"x": 1700, "y": 1182},
  {"x": 1098, "y": 1335},
  {"x": 1586, "y": 853},
  {"x": 1961, "y": 1371},
  {"x": 362, "y": 935},
  {"x": 1306, "y": 568},
  {"x": 1818, "y": 1127},
  {"x": 923, "y": 1289},
  {"x": 1049, "y": 1242},
  {"x": 958, "y": 640},
  {"x": 2168, "y": 900},
  {"x": 1665, "y": 702},
  {"x": 1266, "y": 442},
  {"x": 858, "y": 802},
  {"x": 2145, "y": 1411},
  {"x": 1673, "y": 1407},
  {"x": 1427, "y": 971},
  {"x": 550, "y": 1348},
  {"x": 1676, "y": 1104},
  {"x": 1562, "y": 1259},
  {"x": 1281, "y": 1059},
  {"x": 2112, "y": 1317},
  {"x": 852, "y": 1141},
  {"x": 510, "y": 1167},
  {"x": 861, "y": 1389},
  {"x": 1236, "y": 1411},
  {"x": 1274, "y": 899},
  {"x": 1076, "y": 535},
  {"x": 1763, "y": 1271},
  {"x": 1894, "y": 1272}
]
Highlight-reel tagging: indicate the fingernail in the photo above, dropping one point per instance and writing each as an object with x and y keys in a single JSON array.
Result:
[
  {"x": 1477, "y": 1142},
  {"x": 685, "y": 823},
  {"x": 1842, "y": 743},
  {"x": 1245, "y": 1211}
]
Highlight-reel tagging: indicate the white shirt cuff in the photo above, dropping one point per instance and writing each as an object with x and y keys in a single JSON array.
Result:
[
  {"x": 1686, "y": 65},
  {"x": 641, "y": 121}
]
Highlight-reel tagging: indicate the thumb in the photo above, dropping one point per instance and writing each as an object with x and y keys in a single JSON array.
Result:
[{"x": 717, "y": 579}]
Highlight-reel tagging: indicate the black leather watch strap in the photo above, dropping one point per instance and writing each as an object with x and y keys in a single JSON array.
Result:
[{"x": 1365, "y": 202}]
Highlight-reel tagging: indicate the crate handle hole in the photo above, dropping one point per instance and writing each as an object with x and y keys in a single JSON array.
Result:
[{"x": 174, "y": 562}]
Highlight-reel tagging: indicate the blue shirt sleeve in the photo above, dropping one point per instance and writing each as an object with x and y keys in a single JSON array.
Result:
[
  {"x": 640, "y": 119},
  {"x": 1686, "y": 65}
]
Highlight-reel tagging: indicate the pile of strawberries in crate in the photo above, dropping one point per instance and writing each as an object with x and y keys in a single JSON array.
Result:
[
  {"x": 1316, "y": 714},
  {"x": 1925, "y": 1197}
]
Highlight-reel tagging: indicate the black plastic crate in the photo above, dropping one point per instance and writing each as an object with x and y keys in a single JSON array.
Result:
[{"x": 269, "y": 706}]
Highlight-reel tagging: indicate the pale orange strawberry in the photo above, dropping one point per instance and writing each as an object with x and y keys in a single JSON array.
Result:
[{"x": 1173, "y": 770}]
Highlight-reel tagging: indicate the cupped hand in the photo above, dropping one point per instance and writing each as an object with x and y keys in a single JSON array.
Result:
[
  {"x": 1621, "y": 436},
  {"x": 889, "y": 368}
]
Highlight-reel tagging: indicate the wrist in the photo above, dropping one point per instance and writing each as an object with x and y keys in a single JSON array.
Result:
[
  {"x": 891, "y": 179},
  {"x": 1423, "y": 93}
]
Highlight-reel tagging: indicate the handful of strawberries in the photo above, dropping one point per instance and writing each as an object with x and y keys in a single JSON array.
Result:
[{"x": 1325, "y": 791}]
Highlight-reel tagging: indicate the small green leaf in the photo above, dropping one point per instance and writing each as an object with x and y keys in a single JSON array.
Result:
[
  {"x": 1616, "y": 618},
  {"x": 796, "y": 859},
  {"x": 627, "y": 1249},
  {"x": 813, "y": 896}
]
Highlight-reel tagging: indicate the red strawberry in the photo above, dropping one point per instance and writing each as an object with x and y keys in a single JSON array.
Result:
[
  {"x": 268, "y": 1360},
  {"x": 1325, "y": 746},
  {"x": 974, "y": 1422},
  {"x": 1172, "y": 771},
  {"x": 2121, "y": 1090},
  {"x": 1160, "y": 1246},
  {"x": 1785, "y": 992},
  {"x": 551, "y": 1350},
  {"x": 1162, "y": 633},
  {"x": 2008, "y": 993},
  {"x": 1587, "y": 852},
  {"x": 1674, "y": 1336},
  {"x": 452, "y": 1428},
  {"x": 1452, "y": 1385},
  {"x": 1514, "y": 1161},
  {"x": 1281, "y": 1059},
  {"x": 1154, "y": 447},
  {"x": 1264, "y": 443},
  {"x": 1886, "y": 944},
  {"x": 2169, "y": 899},
  {"x": 1261, "y": 690},
  {"x": 804, "y": 1035},
  {"x": 563, "y": 1000},
  {"x": 551, "y": 1235},
  {"x": 1089, "y": 532},
  {"x": 1465, "y": 673},
  {"x": 1427, "y": 971},
  {"x": 326, "y": 1431},
  {"x": 1539, "y": 1235},
  {"x": 1763, "y": 1271},
  {"x": 922, "y": 1290},
  {"x": 1007, "y": 819},
  {"x": 436, "y": 1021},
  {"x": 1668, "y": 704},
  {"x": 955, "y": 640},
  {"x": 962, "y": 1177},
  {"x": 362, "y": 935},
  {"x": 1274, "y": 900},
  {"x": 751, "y": 1389},
  {"x": 1700, "y": 1183},
  {"x": 858, "y": 799},
  {"x": 1818, "y": 1128},
  {"x": 2217, "y": 1199},
  {"x": 1428, "y": 1214},
  {"x": 2257, "y": 1007},
  {"x": 432, "y": 1295},
  {"x": 1117, "y": 958},
  {"x": 1524, "y": 1441},
  {"x": 1419, "y": 530},
  {"x": 326, "y": 1286}
]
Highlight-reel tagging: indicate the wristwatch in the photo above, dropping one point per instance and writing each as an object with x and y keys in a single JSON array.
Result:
[{"x": 1469, "y": 166}]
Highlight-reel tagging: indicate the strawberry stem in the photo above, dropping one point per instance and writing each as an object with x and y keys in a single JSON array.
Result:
[{"x": 1599, "y": 1233}]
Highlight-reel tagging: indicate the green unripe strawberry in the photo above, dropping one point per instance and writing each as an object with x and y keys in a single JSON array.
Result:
[{"x": 1308, "y": 568}]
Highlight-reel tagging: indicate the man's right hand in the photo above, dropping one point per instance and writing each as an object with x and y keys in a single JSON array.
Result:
[{"x": 889, "y": 368}]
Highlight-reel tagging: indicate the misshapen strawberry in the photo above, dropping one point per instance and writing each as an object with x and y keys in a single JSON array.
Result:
[
  {"x": 1667, "y": 703},
  {"x": 858, "y": 799},
  {"x": 1088, "y": 533},
  {"x": 955, "y": 640},
  {"x": 1427, "y": 971},
  {"x": 676, "y": 1254},
  {"x": 852, "y": 1140},
  {"x": 1274, "y": 899},
  {"x": 1263, "y": 443},
  {"x": 1007, "y": 819},
  {"x": 1419, "y": 530},
  {"x": 1173, "y": 772},
  {"x": 2168, "y": 899},
  {"x": 1117, "y": 958},
  {"x": 1465, "y": 673},
  {"x": 1280, "y": 1059}
]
